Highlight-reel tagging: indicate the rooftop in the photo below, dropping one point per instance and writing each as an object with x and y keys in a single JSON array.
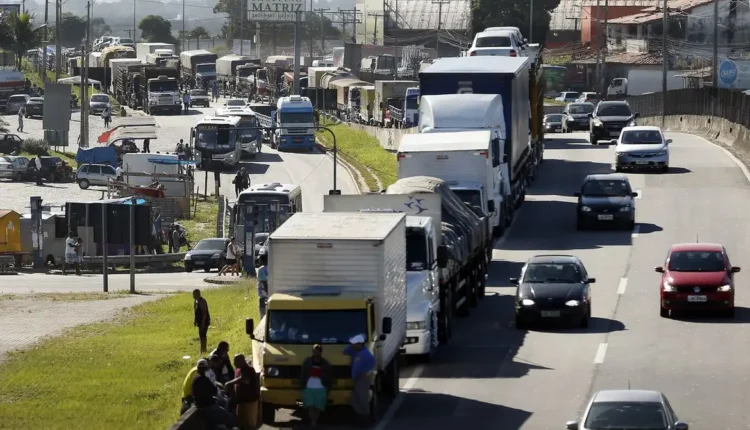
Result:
[
  {"x": 697, "y": 247},
  {"x": 337, "y": 226},
  {"x": 553, "y": 259},
  {"x": 642, "y": 59},
  {"x": 477, "y": 65},
  {"x": 568, "y": 14},
  {"x": 424, "y": 14},
  {"x": 628, "y": 396}
]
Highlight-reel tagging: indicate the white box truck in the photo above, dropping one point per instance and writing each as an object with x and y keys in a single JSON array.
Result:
[
  {"x": 142, "y": 50},
  {"x": 332, "y": 276}
]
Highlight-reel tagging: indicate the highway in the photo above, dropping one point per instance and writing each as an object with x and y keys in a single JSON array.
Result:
[{"x": 493, "y": 376}]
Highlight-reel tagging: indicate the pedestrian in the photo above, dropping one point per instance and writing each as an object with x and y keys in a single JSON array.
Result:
[
  {"x": 215, "y": 91},
  {"x": 107, "y": 115},
  {"x": 203, "y": 391},
  {"x": 363, "y": 362},
  {"x": 315, "y": 380},
  {"x": 263, "y": 284},
  {"x": 176, "y": 238},
  {"x": 170, "y": 239},
  {"x": 147, "y": 145},
  {"x": 245, "y": 393},
  {"x": 118, "y": 172},
  {"x": 39, "y": 171},
  {"x": 226, "y": 372},
  {"x": 71, "y": 254},
  {"x": 202, "y": 318},
  {"x": 245, "y": 179},
  {"x": 233, "y": 254},
  {"x": 237, "y": 181},
  {"x": 186, "y": 103},
  {"x": 21, "y": 115},
  {"x": 79, "y": 251}
]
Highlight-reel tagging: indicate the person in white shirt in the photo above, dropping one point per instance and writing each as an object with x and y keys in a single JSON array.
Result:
[
  {"x": 118, "y": 172},
  {"x": 233, "y": 255},
  {"x": 71, "y": 254}
]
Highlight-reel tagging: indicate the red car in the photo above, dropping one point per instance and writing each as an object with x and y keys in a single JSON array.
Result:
[{"x": 697, "y": 276}]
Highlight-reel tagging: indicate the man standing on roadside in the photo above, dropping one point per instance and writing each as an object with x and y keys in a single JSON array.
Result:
[
  {"x": 186, "y": 102},
  {"x": 202, "y": 318},
  {"x": 363, "y": 362},
  {"x": 21, "y": 114}
]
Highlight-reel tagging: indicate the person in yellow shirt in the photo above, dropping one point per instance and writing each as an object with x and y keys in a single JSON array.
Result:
[{"x": 187, "y": 385}]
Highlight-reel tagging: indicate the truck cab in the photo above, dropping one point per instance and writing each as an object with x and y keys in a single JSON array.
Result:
[
  {"x": 205, "y": 74},
  {"x": 295, "y": 124},
  {"x": 163, "y": 95}
]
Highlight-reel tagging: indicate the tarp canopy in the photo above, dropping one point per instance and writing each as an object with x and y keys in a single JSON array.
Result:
[
  {"x": 348, "y": 82},
  {"x": 136, "y": 121},
  {"x": 165, "y": 161},
  {"x": 98, "y": 155},
  {"x": 132, "y": 133}
]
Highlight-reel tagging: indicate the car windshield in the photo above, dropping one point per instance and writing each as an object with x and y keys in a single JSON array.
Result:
[
  {"x": 614, "y": 110},
  {"x": 5, "y": 160},
  {"x": 210, "y": 244},
  {"x": 469, "y": 197},
  {"x": 260, "y": 238},
  {"x": 570, "y": 95},
  {"x": 205, "y": 68},
  {"x": 416, "y": 250},
  {"x": 626, "y": 416},
  {"x": 697, "y": 261},
  {"x": 197, "y": 93},
  {"x": 16, "y": 99},
  {"x": 641, "y": 137},
  {"x": 553, "y": 118},
  {"x": 311, "y": 327},
  {"x": 296, "y": 117},
  {"x": 581, "y": 109},
  {"x": 602, "y": 188},
  {"x": 100, "y": 98},
  {"x": 236, "y": 102},
  {"x": 540, "y": 273},
  {"x": 493, "y": 42}
]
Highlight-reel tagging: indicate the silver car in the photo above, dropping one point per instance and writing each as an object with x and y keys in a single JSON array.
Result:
[
  {"x": 642, "y": 147},
  {"x": 94, "y": 174},
  {"x": 628, "y": 409},
  {"x": 13, "y": 167},
  {"x": 97, "y": 103},
  {"x": 15, "y": 102}
]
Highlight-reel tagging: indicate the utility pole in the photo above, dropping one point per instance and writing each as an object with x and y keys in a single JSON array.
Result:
[
  {"x": 603, "y": 65},
  {"x": 297, "y": 41},
  {"x": 85, "y": 83},
  {"x": 242, "y": 27},
  {"x": 440, "y": 4},
  {"x": 375, "y": 30},
  {"x": 664, "y": 58},
  {"x": 182, "y": 41},
  {"x": 310, "y": 30},
  {"x": 46, "y": 42},
  {"x": 531, "y": 21},
  {"x": 58, "y": 47},
  {"x": 134, "y": 27},
  {"x": 715, "y": 71},
  {"x": 257, "y": 39},
  {"x": 129, "y": 31},
  {"x": 88, "y": 27},
  {"x": 597, "y": 72},
  {"x": 322, "y": 29}
]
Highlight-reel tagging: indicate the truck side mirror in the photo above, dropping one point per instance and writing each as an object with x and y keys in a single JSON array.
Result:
[
  {"x": 491, "y": 205},
  {"x": 249, "y": 326},
  {"x": 387, "y": 325},
  {"x": 636, "y": 115},
  {"x": 590, "y": 115},
  {"x": 442, "y": 256}
]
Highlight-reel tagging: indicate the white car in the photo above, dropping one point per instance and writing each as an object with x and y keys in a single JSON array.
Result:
[
  {"x": 642, "y": 147},
  {"x": 503, "y": 43},
  {"x": 241, "y": 103},
  {"x": 567, "y": 96}
]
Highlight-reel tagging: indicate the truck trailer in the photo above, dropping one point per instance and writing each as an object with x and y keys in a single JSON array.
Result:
[
  {"x": 199, "y": 65},
  {"x": 160, "y": 90},
  {"x": 387, "y": 93},
  {"x": 142, "y": 50}
]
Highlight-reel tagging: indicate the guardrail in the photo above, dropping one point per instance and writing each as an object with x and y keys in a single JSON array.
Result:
[{"x": 139, "y": 259}]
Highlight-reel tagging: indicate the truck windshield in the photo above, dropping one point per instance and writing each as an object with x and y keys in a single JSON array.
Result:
[
  {"x": 245, "y": 72},
  {"x": 470, "y": 197},
  {"x": 215, "y": 137},
  {"x": 296, "y": 117},
  {"x": 163, "y": 86},
  {"x": 311, "y": 327},
  {"x": 205, "y": 68},
  {"x": 247, "y": 133},
  {"x": 262, "y": 75},
  {"x": 411, "y": 103},
  {"x": 416, "y": 250}
]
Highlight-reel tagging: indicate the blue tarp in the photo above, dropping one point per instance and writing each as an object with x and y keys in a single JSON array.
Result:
[
  {"x": 97, "y": 155},
  {"x": 167, "y": 161}
]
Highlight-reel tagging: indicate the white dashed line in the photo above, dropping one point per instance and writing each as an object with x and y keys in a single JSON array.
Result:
[
  {"x": 600, "y": 353},
  {"x": 410, "y": 383},
  {"x": 640, "y": 194},
  {"x": 636, "y": 230},
  {"x": 623, "y": 285}
]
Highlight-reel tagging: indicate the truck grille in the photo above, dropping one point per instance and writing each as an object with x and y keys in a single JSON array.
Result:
[
  {"x": 297, "y": 131},
  {"x": 550, "y": 303}
]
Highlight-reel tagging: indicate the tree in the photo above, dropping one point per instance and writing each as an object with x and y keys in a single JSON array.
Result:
[
  {"x": 72, "y": 30},
  {"x": 156, "y": 29},
  {"x": 99, "y": 28},
  {"x": 495, "y": 13},
  {"x": 18, "y": 35},
  {"x": 198, "y": 33}
]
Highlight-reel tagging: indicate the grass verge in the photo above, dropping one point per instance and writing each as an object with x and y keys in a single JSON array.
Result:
[
  {"x": 203, "y": 224},
  {"x": 364, "y": 153},
  {"x": 126, "y": 374}
]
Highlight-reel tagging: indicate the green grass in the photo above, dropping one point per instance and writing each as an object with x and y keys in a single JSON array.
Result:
[
  {"x": 203, "y": 224},
  {"x": 363, "y": 152},
  {"x": 65, "y": 156},
  {"x": 126, "y": 374}
]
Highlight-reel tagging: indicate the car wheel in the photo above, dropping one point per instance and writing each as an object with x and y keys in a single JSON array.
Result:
[
  {"x": 188, "y": 268},
  {"x": 664, "y": 312},
  {"x": 729, "y": 313},
  {"x": 207, "y": 269},
  {"x": 17, "y": 177},
  {"x": 83, "y": 183},
  {"x": 586, "y": 318},
  {"x": 665, "y": 169},
  {"x": 630, "y": 225},
  {"x": 618, "y": 168},
  {"x": 580, "y": 224},
  {"x": 521, "y": 324}
]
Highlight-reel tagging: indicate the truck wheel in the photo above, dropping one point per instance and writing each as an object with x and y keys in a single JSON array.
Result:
[
  {"x": 465, "y": 309},
  {"x": 392, "y": 374},
  {"x": 592, "y": 139},
  {"x": 498, "y": 230},
  {"x": 445, "y": 325},
  {"x": 482, "y": 281},
  {"x": 268, "y": 413},
  {"x": 374, "y": 400}
]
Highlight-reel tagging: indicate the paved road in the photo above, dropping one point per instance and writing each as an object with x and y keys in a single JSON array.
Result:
[{"x": 494, "y": 376}]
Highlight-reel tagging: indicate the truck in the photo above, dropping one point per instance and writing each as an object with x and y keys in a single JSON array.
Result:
[
  {"x": 159, "y": 90},
  {"x": 386, "y": 93},
  {"x": 422, "y": 273},
  {"x": 11, "y": 82},
  {"x": 144, "y": 49},
  {"x": 160, "y": 58},
  {"x": 366, "y": 104},
  {"x": 335, "y": 276},
  {"x": 463, "y": 159},
  {"x": 404, "y": 113},
  {"x": 199, "y": 65},
  {"x": 295, "y": 124},
  {"x": 114, "y": 52},
  {"x": 511, "y": 79},
  {"x": 226, "y": 67},
  {"x": 127, "y": 85},
  {"x": 95, "y": 59},
  {"x": 116, "y": 66},
  {"x": 462, "y": 250},
  {"x": 638, "y": 82}
]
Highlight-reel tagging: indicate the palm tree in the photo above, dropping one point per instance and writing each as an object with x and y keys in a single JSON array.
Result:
[{"x": 18, "y": 35}]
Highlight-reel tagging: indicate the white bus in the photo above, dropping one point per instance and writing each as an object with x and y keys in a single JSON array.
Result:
[
  {"x": 250, "y": 137},
  {"x": 216, "y": 141},
  {"x": 268, "y": 205}
]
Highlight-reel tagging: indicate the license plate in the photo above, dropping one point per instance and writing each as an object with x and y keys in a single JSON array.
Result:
[
  {"x": 641, "y": 162},
  {"x": 217, "y": 157},
  {"x": 198, "y": 263},
  {"x": 614, "y": 133},
  {"x": 550, "y": 314},
  {"x": 606, "y": 217},
  {"x": 697, "y": 299}
]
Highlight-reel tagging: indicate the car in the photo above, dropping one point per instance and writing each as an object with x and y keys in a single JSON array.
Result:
[
  {"x": 588, "y": 97},
  {"x": 577, "y": 116},
  {"x": 97, "y": 103},
  {"x": 697, "y": 276},
  {"x": 553, "y": 287},
  {"x": 606, "y": 199},
  {"x": 199, "y": 97},
  {"x": 207, "y": 254},
  {"x": 236, "y": 103},
  {"x": 10, "y": 143},
  {"x": 95, "y": 174},
  {"x": 13, "y": 167},
  {"x": 499, "y": 42},
  {"x": 642, "y": 147},
  {"x": 628, "y": 409},
  {"x": 608, "y": 120},
  {"x": 35, "y": 107},
  {"x": 261, "y": 246},
  {"x": 553, "y": 122},
  {"x": 15, "y": 102},
  {"x": 567, "y": 96}
]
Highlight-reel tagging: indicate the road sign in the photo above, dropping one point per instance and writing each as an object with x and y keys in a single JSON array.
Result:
[{"x": 275, "y": 10}]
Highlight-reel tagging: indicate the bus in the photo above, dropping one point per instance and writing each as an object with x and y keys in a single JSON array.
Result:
[
  {"x": 268, "y": 205},
  {"x": 250, "y": 136},
  {"x": 555, "y": 79},
  {"x": 216, "y": 142}
]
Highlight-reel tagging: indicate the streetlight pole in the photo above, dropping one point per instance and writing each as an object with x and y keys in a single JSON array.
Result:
[{"x": 46, "y": 41}]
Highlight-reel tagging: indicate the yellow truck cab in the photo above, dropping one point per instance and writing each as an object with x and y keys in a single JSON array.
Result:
[{"x": 332, "y": 276}]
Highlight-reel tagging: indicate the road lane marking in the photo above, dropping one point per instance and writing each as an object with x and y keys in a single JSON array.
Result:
[
  {"x": 600, "y": 353},
  {"x": 623, "y": 285},
  {"x": 636, "y": 230},
  {"x": 410, "y": 383},
  {"x": 640, "y": 194}
]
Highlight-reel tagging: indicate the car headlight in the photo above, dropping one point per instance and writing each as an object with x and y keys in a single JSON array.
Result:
[
  {"x": 272, "y": 371},
  {"x": 619, "y": 153},
  {"x": 177, "y": 102},
  {"x": 151, "y": 102},
  {"x": 724, "y": 288},
  {"x": 217, "y": 255},
  {"x": 660, "y": 153},
  {"x": 585, "y": 209},
  {"x": 572, "y": 303},
  {"x": 625, "y": 209},
  {"x": 419, "y": 325},
  {"x": 597, "y": 123},
  {"x": 668, "y": 287},
  {"x": 527, "y": 302},
  {"x": 187, "y": 257}
]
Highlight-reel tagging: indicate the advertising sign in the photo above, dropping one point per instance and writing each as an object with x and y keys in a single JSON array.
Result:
[
  {"x": 57, "y": 101},
  {"x": 275, "y": 10},
  {"x": 242, "y": 47},
  {"x": 734, "y": 74},
  {"x": 10, "y": 8}
]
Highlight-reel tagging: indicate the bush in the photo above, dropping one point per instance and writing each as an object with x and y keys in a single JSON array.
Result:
[{"x": 35, "y": 147}]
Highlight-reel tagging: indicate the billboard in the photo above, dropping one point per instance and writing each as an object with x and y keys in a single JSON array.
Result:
[
  {"x": 10, "y": 8},
  {"x": 734, "y": 74},
  {"x": 57, "y": 104},
  {"x": 242, "y": 47},
  {"x": 370, "y": 28},
  {"x": 275, "y": 10}
]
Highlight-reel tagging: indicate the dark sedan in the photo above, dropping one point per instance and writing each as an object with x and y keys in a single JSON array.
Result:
[
  {"x": 553, "y": 122},
  {"x": 577, "y": 116},
  {"x": 606, "y": 200},
  {"x": 553, "y": 288},
  {"x": 35, "y": 107},
  {"x": 207, "y": 254}
]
